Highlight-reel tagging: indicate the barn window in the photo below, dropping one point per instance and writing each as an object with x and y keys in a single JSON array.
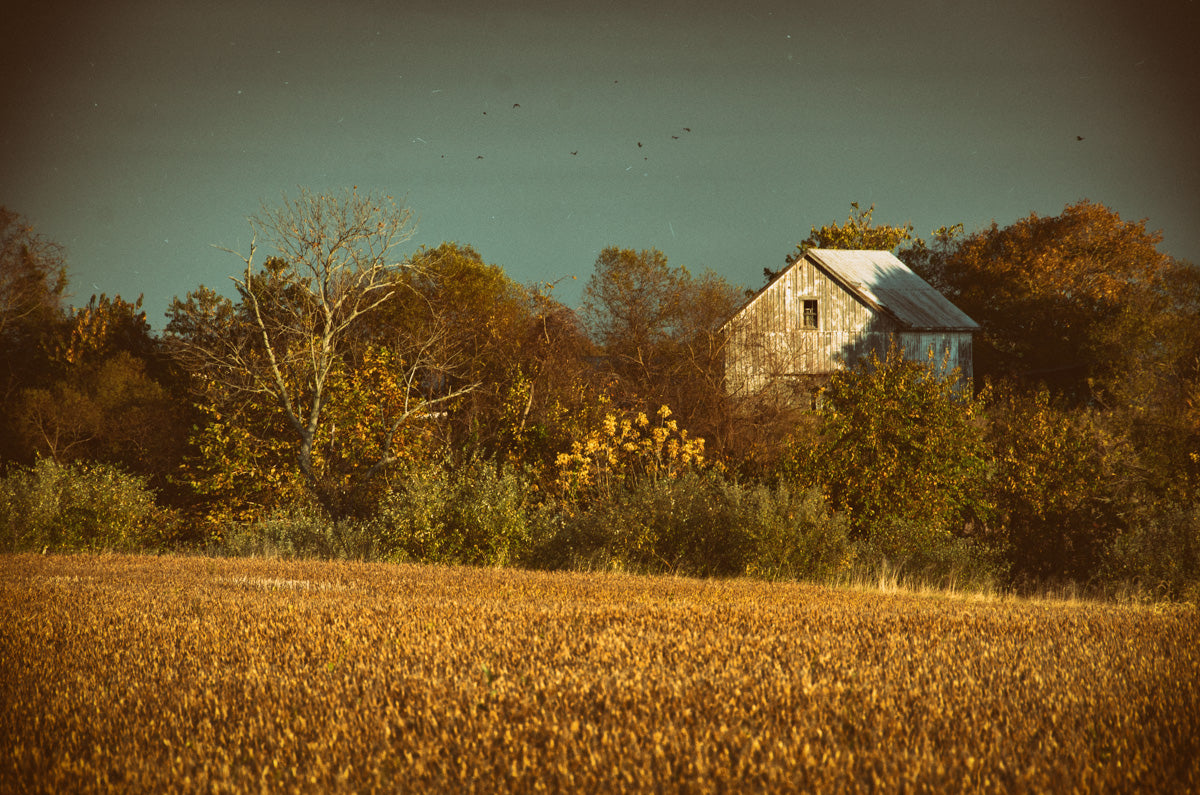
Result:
[{"x": 810, "y": 313}]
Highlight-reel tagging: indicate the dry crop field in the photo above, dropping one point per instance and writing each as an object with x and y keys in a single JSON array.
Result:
[{"x": 174, "y": 673}]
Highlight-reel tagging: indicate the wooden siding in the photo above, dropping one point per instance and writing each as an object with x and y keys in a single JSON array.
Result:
[
  {"x": 946, "y": 350},
  {"x": 768, "y": 340}
]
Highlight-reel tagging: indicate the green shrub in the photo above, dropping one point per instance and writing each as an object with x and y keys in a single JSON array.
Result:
[
  {"x": 474, "y": 514},
  {"x": 77, "y": 507},
  {"x": 1067, "y": 483},
  {"x": 682, "y": 524},
  {"x": 1159, "y": 556},
  {"x": 792, "y": 534},
  {"x": 572, "y": 541},
  {"x": 302, "y": 531},
  {"x": 410, "y": 521},
  {"x": 922, "y": 554},
  {"x": 899, "y": 442}
]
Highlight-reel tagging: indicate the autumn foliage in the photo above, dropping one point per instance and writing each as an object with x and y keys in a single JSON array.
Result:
[{"x": 341, "y": 399}]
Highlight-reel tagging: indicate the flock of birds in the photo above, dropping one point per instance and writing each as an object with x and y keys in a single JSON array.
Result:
[{"x": 517, "y": 105}]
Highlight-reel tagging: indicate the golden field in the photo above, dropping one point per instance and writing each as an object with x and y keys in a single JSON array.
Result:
[{"x": 137, "y": 674}]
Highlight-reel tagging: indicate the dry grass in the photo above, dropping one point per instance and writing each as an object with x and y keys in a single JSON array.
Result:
[{"x": 157, "y": 674}]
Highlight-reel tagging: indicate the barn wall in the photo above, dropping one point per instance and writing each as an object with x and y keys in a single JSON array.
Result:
[
  {"x": 768, "y": 339},
  {"x": 947, "y": 349}
]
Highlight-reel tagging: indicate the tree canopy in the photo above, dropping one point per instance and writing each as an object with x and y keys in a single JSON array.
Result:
[
  {"x": 898, "y": 443},
  {"x": 33, "y": 276},
  {"x": 349, "y": 397},
  {"x": 1079, "y": 299},
  {"x": 331, "y": 265},
  {"x": 658, "y": 327}
]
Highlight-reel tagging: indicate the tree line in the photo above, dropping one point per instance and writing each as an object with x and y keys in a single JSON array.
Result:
[{"x": 346, "y": 400}]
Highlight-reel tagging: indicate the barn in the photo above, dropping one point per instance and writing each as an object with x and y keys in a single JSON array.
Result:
[{"x": 832, "y": 307}]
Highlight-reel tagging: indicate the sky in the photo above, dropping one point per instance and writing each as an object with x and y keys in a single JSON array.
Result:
[{"x": 141, "y": 134}]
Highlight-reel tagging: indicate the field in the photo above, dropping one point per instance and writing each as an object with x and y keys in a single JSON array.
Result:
[{"x": 157, "y": 674}]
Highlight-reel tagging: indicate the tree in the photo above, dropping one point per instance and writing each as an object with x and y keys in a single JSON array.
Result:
[
  {"x": 33, "y": 276},
  {"x": 660, "y": 330},
  {"x": 469, "y": 319},
  {"x": 246, "y": 466},
  {"x": 899, "y": 450},
  {"x": 102, "y": 328},
  {"x": 1066, "y": 484},
  {"x": 333, "y": 264},
  {"x": 857, "y": 233},
  {"x": 1084, "y": 304},
  {"x": 695, "y": 381},
  {"x": 632, "y": 305},
  {"x": 107, "y": 395},
  {"x": 33, "y": 279},
  {"x": 1074, "y": 300},
  {"x": 112, "y": 411},
  {"x": 552, "y": 392}
]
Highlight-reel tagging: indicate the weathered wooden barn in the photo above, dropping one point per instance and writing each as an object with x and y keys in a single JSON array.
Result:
[{"x": 832, "y": 307}]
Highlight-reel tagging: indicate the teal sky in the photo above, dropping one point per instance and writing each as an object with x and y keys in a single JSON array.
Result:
[{"x": 141, "y": 133}]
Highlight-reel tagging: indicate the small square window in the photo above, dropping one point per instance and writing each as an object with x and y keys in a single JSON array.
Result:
[{"x": 810, "y": 314}]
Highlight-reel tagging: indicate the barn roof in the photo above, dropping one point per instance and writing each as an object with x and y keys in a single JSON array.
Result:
[{"x": 884, "y": 282}]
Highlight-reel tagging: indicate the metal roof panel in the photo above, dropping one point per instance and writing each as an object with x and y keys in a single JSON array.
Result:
[{"x": 884, "y": 281}]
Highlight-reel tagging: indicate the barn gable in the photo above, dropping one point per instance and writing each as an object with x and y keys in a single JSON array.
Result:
[{"x": 832, "y": 307}]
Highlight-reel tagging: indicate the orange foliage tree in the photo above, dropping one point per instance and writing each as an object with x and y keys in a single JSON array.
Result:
[{"x": 1074, "y": 299}]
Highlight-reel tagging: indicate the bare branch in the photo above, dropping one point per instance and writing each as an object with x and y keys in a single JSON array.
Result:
[{"x": 332, "y": 264}]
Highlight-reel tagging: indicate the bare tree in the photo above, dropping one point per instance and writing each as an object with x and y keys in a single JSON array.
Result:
[
  {"x": 33, "y": 275},
  {"x": 332, "y": 263}
]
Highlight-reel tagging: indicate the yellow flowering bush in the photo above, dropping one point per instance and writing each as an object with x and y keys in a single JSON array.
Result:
[{"x": 626, "y": 445}]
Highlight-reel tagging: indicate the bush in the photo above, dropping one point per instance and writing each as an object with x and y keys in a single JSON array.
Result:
[
  {"x": 474, "y": 514},
  {"x": 1067, "y": 483},
  {"x": 925, "y": 555},
  {"x": 682, "y": 524},
  {"x": 1159, "y": 557},
  {"x": 78, "y": 507},
  {"x": 302, "y": 531},
  {"x": 625, "y": 451},
  {"x": 899, "y": 444},
  {"x": 792, "y": 535}
]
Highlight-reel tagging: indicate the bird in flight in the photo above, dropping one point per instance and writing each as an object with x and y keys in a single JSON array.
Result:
[{"x": 575, "y": 152}]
